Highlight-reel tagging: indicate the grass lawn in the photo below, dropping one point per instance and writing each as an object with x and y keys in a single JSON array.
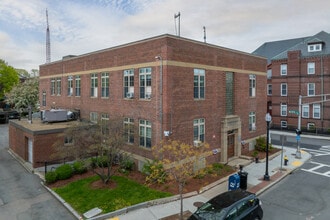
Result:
[{"x": 83, "y": 197}]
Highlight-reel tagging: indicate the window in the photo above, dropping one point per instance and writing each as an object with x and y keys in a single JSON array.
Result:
[
  {"x": 43, "y": 98},
  {"x": 93, "y": 117},
  {"x": 232, "y": 214},
  {"x": 311, "y": 89},
  {"x": 94, "y": 85},
  {"x": 252, "y": 85},
  {"x": 305, "y": 111},
  {"x": 284, "y": 109},
  {"x": 269, "y": 73},
  {"x": 199, "y": 84},
  {"x": 284, "y": 69},
  {"x": 145, "y": 133},
  {"x": 105, "y": 123},
  {"x": 145, "y": 83},
  {"x": 58, "y": 86},
  {"x": 269, "y": 89},
  {"x": 52, "y": 86},
  {"x": 199, "y": 129},
  {"x": 129, "y": 84},
  {"x": 70, "y": 85},
  {"x": 284, "y": 124},
  {"x": 316, "y": 111},
  {"x": 78, "y": 86},
  {"x": 68, "y": 140},
  {"x": 105, "y": 85},
  {"x": 311, "y": 68},
  {"x": 284, "y": 89},
  {"x": 252, "y": 121},
  {"x": 314, "y": 47},
  {"x": 311, "y": 126},
  {"x": 129, "y": 130}
]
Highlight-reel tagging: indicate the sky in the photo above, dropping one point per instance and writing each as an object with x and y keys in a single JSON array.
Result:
[{"x": 82, "y": 26}]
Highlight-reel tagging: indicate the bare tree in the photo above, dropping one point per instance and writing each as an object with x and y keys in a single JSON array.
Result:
[{"x": 180, "y": 162}]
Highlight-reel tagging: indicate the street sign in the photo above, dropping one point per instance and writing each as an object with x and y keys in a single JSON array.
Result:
[{"x": 294, "y": 112}]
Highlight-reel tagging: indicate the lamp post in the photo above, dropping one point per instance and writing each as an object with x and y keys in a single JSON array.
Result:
[{"x": 268, "y": 118}]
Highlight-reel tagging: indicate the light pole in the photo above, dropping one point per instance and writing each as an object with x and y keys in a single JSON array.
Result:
[{"x": 268, "y": 118}]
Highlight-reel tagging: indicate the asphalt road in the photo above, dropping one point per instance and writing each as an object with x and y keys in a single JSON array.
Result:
[
  {"x": 305, "y": 194},
  {"x": 22, "y": 196}
]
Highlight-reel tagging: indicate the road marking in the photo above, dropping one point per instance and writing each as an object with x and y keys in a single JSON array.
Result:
[
  {"x": 318, "y": 166},
  {"x": 296, "y": 163},
  {"x": 323, "y": 150}
]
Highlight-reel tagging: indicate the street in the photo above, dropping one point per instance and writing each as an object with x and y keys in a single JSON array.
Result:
[
  {"x": 22, "y": 196},
  {"x": 305, "y": 194}
]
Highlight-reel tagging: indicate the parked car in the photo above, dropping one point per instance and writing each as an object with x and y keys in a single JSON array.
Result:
[
  {"x": 232, "y": 205},
  {"x": 13, "y": 115}
]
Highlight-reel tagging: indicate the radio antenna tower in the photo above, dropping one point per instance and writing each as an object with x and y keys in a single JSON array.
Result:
[{"x": 47, "y": 40}]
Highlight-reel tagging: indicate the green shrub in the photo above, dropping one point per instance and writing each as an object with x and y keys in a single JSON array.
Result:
[
  {"x": 79, "y": 167},
  {"x": 261, "y": 144},
  {"x": 155, "y": 172},
  {"x": 51, "y": 177},
  {"x": 64, "y": 171},
  {"x": 126, "y": 164}
]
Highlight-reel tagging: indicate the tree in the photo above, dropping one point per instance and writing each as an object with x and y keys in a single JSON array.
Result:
[
  {"x": 108, "y": 148},
  {"x": 24, "y": 94},
  {"x": 180, "y": 162},
  {"x": 8, "y": 78}
]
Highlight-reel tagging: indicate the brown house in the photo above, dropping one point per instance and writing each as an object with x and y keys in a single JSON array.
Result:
[{"x": 168, "y": 87}]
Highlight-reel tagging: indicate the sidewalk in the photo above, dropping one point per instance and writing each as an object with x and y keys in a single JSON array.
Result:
[{"x": 167, "y": 209}]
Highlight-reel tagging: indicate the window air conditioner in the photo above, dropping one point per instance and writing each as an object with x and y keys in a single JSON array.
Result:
[
  {"x": 197, "y": 143},
  {"x": 130, "y": 95}
]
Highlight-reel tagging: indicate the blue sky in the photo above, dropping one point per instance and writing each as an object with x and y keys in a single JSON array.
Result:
[{"x": 82, "y": 26}]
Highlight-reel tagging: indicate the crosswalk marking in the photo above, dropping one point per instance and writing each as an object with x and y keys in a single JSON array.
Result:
[
  {"x": 318, "y": 166},
  {"x": 323, "y": 150}
]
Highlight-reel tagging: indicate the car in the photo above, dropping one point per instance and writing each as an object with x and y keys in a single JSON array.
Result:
[
  {"x": 231, "y": 205},
  {"x": 13, "y": 115}
]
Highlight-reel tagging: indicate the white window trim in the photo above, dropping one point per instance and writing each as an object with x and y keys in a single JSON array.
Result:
[
  {"x": 269, "y": 88},
  {"x": 286, "y": 85},
  {"x": 310, "y": 66},
  {"x": 284, "y": 71},
  {"x": 317, "y": 106},
  {"x": 305, "y": 107},
  {"x": 286, "y": 109},
  {"x": 308, "y": 94},
  {"x": 284, "y": 124}
]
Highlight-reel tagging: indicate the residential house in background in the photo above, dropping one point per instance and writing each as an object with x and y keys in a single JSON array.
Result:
[
  {"x": 299, "y": 67},
  {"x": 168, "y": 87}
]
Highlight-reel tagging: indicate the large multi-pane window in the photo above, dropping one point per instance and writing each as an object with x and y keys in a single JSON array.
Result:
[
  {"x": 129, "y": 130},
  {"x": 305, "y": 111},
  {"x": 145, "y": 83},
  {"x": 43, "y": 98},
  {"x": 129, "y": 83},
  {"x": 199, "y": 129},
  {"x": 229, "y": 93},
  {"x": 145, "y": 133},
  {"x": 93, "y": 117},
  {"x": 252, "y": 85},
  {"x": 58, "y": 85},
  {"x": 284, "y": 69},
  {"x": 316, "y": 111},
  {"x": 52, "y": 86},
  {"x": 284, "y": 109},
  {"x": 105, "y": 123},
  {"x": 199, "y": 84},
  {"x": 70, "y": 85},
  {"x": 94, "y": 85},
  {"x": 284, "y": 89},
  {"x": 311, "y": 89},
  {"x": 78, "y": 86},
  {"x": 311, "y": 68},
  {"x": 252, "y": 121},
  {"x": 105, "y": 85}
]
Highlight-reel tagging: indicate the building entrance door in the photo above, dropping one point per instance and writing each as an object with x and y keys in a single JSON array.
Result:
[{"x": 231, "y": 144}]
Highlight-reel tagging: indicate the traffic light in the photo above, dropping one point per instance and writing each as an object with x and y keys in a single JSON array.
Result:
[{"x": 298, "y": 131}]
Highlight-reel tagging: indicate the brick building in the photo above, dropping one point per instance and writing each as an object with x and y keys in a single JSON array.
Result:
[
  {"x": 299, "y": 67},
  {"x": 167, "y": 87}
]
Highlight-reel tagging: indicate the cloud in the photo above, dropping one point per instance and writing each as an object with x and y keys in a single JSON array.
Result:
[{"x": 83, "y": 26}]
